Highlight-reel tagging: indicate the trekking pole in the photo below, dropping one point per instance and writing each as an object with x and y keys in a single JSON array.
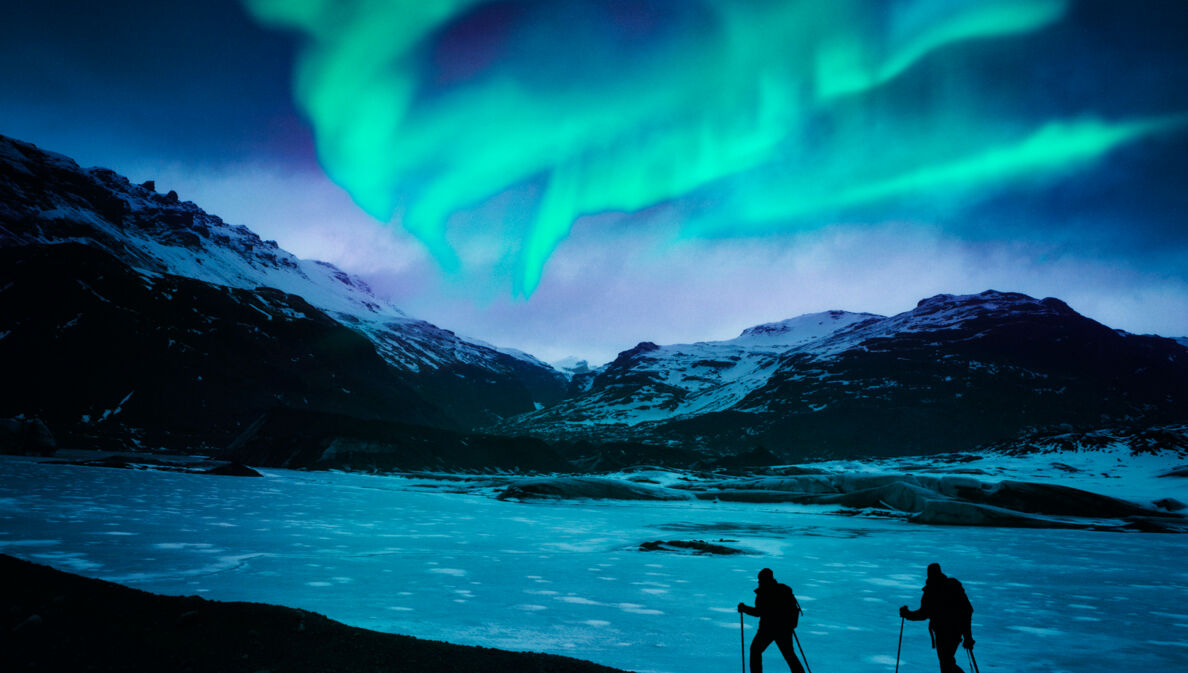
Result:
[
  {"x": 973, "y": 663},
  {"x": 900, "y": 647},
  {"x": 742, "y": 643},
  {"x": 802, "y": 657}
]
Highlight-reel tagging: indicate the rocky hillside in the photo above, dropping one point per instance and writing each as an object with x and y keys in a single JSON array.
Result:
[{"x": 133, "y": 317}]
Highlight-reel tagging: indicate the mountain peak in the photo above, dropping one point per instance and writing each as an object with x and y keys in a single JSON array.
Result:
[
  {"x": 22, "y": 156},
  {"x": 960, "y": 307},
  {"x": 992, "y": 300},
  {"x": 641, "y": 347},
  {"x": 801, "y": 329},
  {"x": 571, "y": 365},
  {"x": 159, "y": 233}
]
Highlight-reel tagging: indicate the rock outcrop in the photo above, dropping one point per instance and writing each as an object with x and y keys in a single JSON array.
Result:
[
  {"x": 26, "y": 437},
  {"x": 949, "y": 500},
  {"x": 593, "y": 488}
]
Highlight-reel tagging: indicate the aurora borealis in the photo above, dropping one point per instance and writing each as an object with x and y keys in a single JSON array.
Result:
[
  {"x": 780, "y": 113},
  {"x": 576, "y": 176}
]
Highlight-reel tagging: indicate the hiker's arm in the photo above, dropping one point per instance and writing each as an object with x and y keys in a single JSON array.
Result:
[
  {"x": 746, "y": 609},
  {"x": 914, "y": 615}
]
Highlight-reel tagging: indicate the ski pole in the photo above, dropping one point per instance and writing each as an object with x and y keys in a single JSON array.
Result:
[
  {"x": 973, "y": 663},
  {"x": 900, "y": 647},
  {"x": 742, "y": 643},
  {"x": 802, "y": 657}
]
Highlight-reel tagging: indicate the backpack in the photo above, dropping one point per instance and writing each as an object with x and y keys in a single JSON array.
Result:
[
  {"x": 954, "y": 606},
  {"x": 789, "y": 606}
]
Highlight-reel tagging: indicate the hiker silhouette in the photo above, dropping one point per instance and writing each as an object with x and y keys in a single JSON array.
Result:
[
  {"x": 949, "y": 614},
  {"x": 778, "y": 613}
]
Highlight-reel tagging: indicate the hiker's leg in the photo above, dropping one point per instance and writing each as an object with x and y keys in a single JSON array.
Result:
[
  {"x": 761, "y": 641},
  {"x": 788, "y": 649},
  {"x": 946, "y": 651}
]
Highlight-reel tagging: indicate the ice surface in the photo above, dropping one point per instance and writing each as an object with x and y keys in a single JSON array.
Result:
[{"x": 567, "y": 578}]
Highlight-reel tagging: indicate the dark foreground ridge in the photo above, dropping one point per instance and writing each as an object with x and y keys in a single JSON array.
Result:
[{"x": 56, "y": 621}]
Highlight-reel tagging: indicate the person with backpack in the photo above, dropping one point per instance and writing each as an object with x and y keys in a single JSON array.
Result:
[
  {"x": 778, "y": 613},
  {"x": 949, "y": 614}
]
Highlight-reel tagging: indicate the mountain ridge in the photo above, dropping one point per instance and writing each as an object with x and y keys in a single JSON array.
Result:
[
  {"x": 157, "y": 233},
  {"x": 141, "y": 247},
  {"x": 181, "y": 301},
  {"x": 1004, "y": 350}
]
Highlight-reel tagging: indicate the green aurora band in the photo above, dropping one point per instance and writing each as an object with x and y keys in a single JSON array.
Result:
[{"x": 723, "y": 109}]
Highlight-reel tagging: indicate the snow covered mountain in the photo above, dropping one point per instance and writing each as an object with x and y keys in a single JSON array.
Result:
[
  {"x": 571, "y": 366},
  {"x": 956, "y": 372},
  {"x": 651, "y": 383},
  {"x": 60, "y": 223}
]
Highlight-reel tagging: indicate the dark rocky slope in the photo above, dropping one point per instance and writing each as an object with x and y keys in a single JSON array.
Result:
[
  {"x": 306, "y": 440},
  {"x": 110, "y": 358},
  {"x": 996, "y": 366},
  {"x": 56, "y": 621}
]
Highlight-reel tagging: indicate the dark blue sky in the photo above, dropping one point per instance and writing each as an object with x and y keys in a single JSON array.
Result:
[{"x": 190, "y": 81}]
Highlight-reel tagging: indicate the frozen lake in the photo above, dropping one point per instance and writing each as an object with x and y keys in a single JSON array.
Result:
[{"x": 409, "y": 556}]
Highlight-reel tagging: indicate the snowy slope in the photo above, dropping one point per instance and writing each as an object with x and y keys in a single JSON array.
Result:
[
  {"x": 1129, "y": 464},
  {"x": 48, "y": 198},
  {"x": 650, "y": 382},
  {"x": 799, "y": 331},
  {"x": 571, "y": 366}
]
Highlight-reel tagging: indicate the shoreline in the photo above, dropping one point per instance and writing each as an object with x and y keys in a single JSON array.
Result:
[{"x": 55, "y": 620}]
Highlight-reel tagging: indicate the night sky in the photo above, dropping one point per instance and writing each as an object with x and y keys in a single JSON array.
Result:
[{"x": 570, "y": 178}]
